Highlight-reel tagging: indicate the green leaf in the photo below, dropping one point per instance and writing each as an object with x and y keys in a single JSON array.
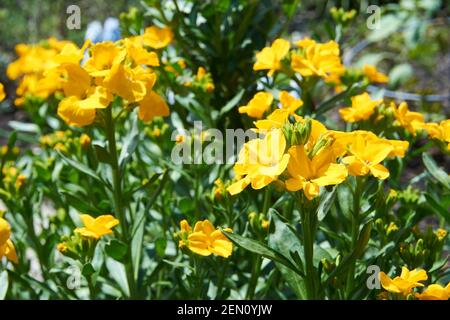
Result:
[
  {"x": 24, "y": 127},
  {"x": 118, "y": 273},
  {"x": 116, "y": 249},
  {"x": 332, "y": 102},
  {"x": 436, "y": 206},
  {"x": 363, "y": 239},
  {"x": 285, "y": 241},
  {"x": 76, "y": 202},
  {"x": 400, "y": 74},
  {"x": 232, "y": 103},
  {"x": 389, "y": 23},
  {"x": 261, "y": 249},
  {"x": 438, "y": 173},
  {"x": 130, "y": 144},
  {"x": 326, "y": 202},
  {"x": 3, "y": 284},
  {"x": 88, "y": 270},
  {"x": 102, "y": 154},
  {"x": 81, "y": 167}
]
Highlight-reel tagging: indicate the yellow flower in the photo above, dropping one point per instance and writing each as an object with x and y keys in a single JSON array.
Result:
[
  {"x": 310, "y": 174},
  {"x": 265, "y": 224},
  {"x": 435, "y": 292},
  {"x": 82, "y": 97},
  {"x": 180, "y": 138},
  {"x": 439, "y": 131},
  {"x": 366, "y": 156},
  {"x": 152, "y": 105},
  {"x": 138, "y": 54},
  {"x": 362, "y": 108},
  {"x": 318, "y": 59},
  {"x": 411, "y": 121},
  {"x": 201, "y": 72},
  {"x": 102, "y": 57},
  {"x": 441, "y": 234},
  {"x": 205, "y": 239},
  {"x": 275, "y": 120},
  {"x": 405, "y": 282},
  {"x": 374, "y": 75},
  {"x": 7, "y": 248},
  {"x": 95, "y": 228},
  {"x": 2, "y": 93},
  {"x": 85, "y": 140},
  {"x": 259, "y": 104},
  {"x": 157, "y": 38},
  {"x": 270, "y": 58},
  {"x": 260, "y": 162},
  {"x": 289, "y": 102},
  {"x": 130, "y": 83},
  {"x": 62, "y": 247},
  {"x": 392, "y": 227}
]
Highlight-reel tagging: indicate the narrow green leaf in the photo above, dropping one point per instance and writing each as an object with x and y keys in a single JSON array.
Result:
[
  {"x": 438, "y": 173},
  {"x": 261, "y": 249},
  {"x": 3, "y": 284},
  {"x": 81, "y": 167},
  {"x": 326, "y": 201},
  {"x": 232, "y": 103}
]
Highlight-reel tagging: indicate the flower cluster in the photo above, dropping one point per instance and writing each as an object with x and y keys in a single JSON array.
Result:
[
  {"x": 404, "y": 284},
  {"x": 305, "y": 155},
  {"x": 112, "y": 69},
  {"x": 204, "y": 239}
]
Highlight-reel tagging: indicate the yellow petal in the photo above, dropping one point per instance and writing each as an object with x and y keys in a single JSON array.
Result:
[{"x": 152, "y": 106}]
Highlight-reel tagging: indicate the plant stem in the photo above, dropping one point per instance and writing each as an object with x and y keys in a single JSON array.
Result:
[
  {"x": 117, "y": 195},
  {"x": 256, "y": 266},
  {"x": 354, "y": 232},
  {"x": 309, "y": 226}
]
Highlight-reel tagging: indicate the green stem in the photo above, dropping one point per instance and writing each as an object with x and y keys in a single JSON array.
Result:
[
  {"x": 309, "y": 236},
  {"x": 117, "y": 196},
  {"x": 354, "y": 232},
  {"x": 256, "y": 269},
  {"x": 256, "y": 266}
]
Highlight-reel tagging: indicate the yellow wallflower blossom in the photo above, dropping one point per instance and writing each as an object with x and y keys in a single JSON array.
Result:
[
  {"x": 62, "y": 247},
  {"x": 95, "y": 228},
  {"x": 275, "y": 120},
  {"x": 260, "y": 162},
  {"x": 138, "y": 54},
  {"x": 102, "y": 57},
  {"x": 441, "y": 233},
  {"x": 289, "y": 102},
  {"x": 439, "y": 131},
  {"x": 82, "y": 97},
  {"x": 411, "y": 121},
  {"x": 435, "y": 292},
  {"x": 205, "y": 239},
  {"x": 7, "y": 248},
  {"x": 157, "y": 38},
  {"x": 405, "y": 282},
  {"x": 311, "y": 174},
  {"x": 374, "y": 75},
  {"x": 362, "y": 108},
  {"x": 366, "y": 157},
  {"x": 130, "y": 83},
  {"x": 2, "y": 93},
  {"x": 318, "y": 59},
  {"x": 85, "y": 140},
  {"x": 270, "y": 58},
  {"x": 152, "y": 105},
  {"x": 259, "y": 104}
]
